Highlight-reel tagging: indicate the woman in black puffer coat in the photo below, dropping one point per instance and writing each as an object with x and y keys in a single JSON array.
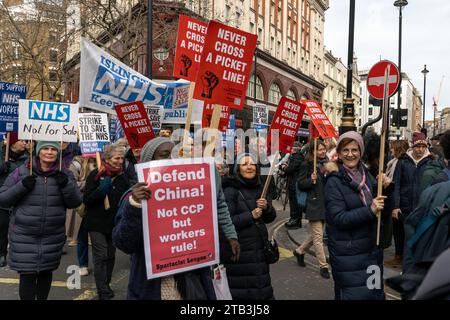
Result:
[
  {"x": 351, "y": 208},
  {"x": 249, "y": 278},
  {"x": 37, "y": 227}
]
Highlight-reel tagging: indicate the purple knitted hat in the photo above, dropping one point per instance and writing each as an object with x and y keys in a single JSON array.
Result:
[{"x": 354, "y": 136}]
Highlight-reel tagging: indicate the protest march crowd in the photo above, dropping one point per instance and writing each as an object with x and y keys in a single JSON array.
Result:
[
  {"x": 194, "y": 224},
  {"x": 40, "y": 212}
]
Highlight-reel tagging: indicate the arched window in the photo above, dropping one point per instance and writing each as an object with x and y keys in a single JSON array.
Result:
[
  {"x": 274, "y": 93},
  {"x": 259, "y": 88},
  {"x": 291, "y": 95}
]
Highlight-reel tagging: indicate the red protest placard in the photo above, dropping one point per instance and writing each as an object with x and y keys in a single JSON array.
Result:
[
  {"x": 190, "y": 41},
  {"x": 287, "y": 120},
  {"x": 180, "y": 219},
  {"x": 320, "y": 120},
  {"x": 135, "y": 123},
  {"x": 224, "y": 116},
  {"x": 225, "y": 66}
]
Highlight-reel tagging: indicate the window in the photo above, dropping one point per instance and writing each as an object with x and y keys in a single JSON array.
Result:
[
  {"x": 252, "y": 27},
  {"x": 53, "y": 76},
  {"x": 278, "y": 48},
  {"x": 259, "y": 88},
  {"x": 274, "y": 93},
  {"x": 227, "y": 12},
  {"x": 238, "y": 19},
  {"x": 370, "y": 111},
  {"x": 53, "y": 55},
  {"x": 260, "y": 37},
  {"x": 290, "y": 94}
]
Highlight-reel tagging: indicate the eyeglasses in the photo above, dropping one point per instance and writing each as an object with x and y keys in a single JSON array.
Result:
[{"x": 346, "y": 152}]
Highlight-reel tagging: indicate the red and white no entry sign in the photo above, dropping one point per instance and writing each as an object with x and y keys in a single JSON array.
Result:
[{"x": 375, "y": 79}]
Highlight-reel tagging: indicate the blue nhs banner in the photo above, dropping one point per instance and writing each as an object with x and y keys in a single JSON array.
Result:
[
  {"x": 47, "y": 121},
  {"x": 10, "y": 93},
  {"x": 106, "y": 82}
]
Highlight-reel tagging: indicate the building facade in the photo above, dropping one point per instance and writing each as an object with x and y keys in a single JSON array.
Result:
[
  {"x": 289, "y": 56},
  {"x": 32, "y": 43},
  {"x": 335, "y": 81},
  {"x": 411, "y": 101}
]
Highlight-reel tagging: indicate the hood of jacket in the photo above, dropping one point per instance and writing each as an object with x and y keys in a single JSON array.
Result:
[{"x": 409, "y": 154}]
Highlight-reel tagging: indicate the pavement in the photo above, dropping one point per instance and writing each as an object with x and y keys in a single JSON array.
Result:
[
  {"x": 298, "y": 236},
  {"x": 290, "y": 282}
]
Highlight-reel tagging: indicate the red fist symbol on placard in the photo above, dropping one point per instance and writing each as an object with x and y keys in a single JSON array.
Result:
[
  {"x": 210, "y": 81},
  {"x": 186, "y": 63}
]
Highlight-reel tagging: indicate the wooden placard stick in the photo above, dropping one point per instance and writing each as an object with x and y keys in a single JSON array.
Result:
[
  {"x": 384, "y": 130},
  {"x": 61, "y": 153},
  {"x": 315, "y": 159},
  {"x": 187, "y": 125},
  {"x": 214, "y": 125},
  {"x": 31, "y": 152},
  {"x": 269, "y": 178},
  {"x": 7, "y": 146},
  {"x": 99, "y": 164}
]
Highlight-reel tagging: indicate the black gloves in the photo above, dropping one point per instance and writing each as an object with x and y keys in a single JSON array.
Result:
[
  {"x": 61, "y": 178},
  {"x": 29, "y": 182}
]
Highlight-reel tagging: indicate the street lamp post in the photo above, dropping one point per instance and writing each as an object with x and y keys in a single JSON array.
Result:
[
  {"x": 424, "y": 71},
  {"x": 348, "y": 111},
  {"x": 399, "y": 4}
]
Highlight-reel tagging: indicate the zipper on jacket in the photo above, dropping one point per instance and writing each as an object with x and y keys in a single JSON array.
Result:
[{"x": 43, "y": 223}]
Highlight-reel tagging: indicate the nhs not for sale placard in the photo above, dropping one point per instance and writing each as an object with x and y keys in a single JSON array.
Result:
[{"x": 47, "y": 121}]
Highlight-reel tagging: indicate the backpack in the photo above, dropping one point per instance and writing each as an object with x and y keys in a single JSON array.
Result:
[{"x": 430, "y": 239}]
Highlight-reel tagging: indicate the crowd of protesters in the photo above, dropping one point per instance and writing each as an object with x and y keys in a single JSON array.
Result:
[{"x": 46, "y": 202}]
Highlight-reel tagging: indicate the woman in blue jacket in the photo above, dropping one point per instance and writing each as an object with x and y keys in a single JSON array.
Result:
[{"x": 351, "y": 217}]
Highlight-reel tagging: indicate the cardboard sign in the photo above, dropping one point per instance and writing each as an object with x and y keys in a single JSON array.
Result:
[
  {"x": 260, "y": 116},
  {"x": 320, "y": 120},
  {"x": 135, "y": 124},
  {"x": 178, "y": 116},
  {"x": 47, "y": 121},
  {"x": 93, "y": 129},
  {"x": 225, "y": 66},
  {"x": 287, "y": 119},
  {"x": 10, "y": 93},
  {"x": 106, "y": 82},
  {"x": 190, "y": 41},
  {"x": 155, "y": 115},
  {"x": 224, "y": 116},
  {"x": 180, "y": 219}
]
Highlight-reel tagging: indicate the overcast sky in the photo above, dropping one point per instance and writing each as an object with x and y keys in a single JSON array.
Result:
[{"x": 425, "y": 39}]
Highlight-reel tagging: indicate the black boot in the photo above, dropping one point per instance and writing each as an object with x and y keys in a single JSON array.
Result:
[
  {"x": 300, "y": 258},
  {"x": 324, "y": 273},
  {"x": 293, "y": 223}
]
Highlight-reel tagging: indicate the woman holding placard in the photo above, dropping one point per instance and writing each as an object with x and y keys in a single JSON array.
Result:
[
  {"x": 249, "y": 278},
  {"x": 108, "y": 181},
  {"x": 312, "y": 182},
  {"x": 37, "y": 228},
  {"x": 351, "y": 216}
]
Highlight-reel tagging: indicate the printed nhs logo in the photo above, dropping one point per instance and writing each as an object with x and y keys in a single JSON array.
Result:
[{"x": 48, "y": 111}]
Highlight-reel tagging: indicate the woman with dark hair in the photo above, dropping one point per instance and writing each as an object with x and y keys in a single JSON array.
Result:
[
  {"x": 249, "y": 278},
  {"x": 313, "y": 184},
  {"x": 351, "y": 217}
]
